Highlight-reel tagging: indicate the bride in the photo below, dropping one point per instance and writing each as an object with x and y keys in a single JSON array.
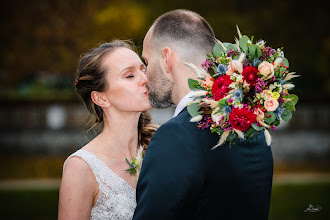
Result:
[{"x": 95, "y": 185}]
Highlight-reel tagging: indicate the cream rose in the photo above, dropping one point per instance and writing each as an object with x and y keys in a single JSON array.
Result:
[
  {"x": 266, "y": 68},
  {"x": 271, "y": 104},
  {"x": 267, "y": 94}
]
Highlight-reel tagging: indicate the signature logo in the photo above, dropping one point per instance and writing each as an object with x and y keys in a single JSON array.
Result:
[{"x": 312, "y": 208}]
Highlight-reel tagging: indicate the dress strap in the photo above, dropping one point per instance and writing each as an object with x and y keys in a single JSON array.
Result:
[{"x": 105, "y": 177}]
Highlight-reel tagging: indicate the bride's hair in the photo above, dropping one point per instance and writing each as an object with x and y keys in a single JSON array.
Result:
[{"x": 92, "y": 77}]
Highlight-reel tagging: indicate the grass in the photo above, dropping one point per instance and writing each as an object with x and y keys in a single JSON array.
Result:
[
  {"x": 289, "y": 200},
  {"x": 29, "y": 204}
]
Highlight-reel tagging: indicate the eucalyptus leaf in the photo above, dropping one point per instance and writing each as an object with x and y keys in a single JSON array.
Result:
[
  {"x": 290, "y": 106},
  {"x": 285, "y": 61},
  {"x": 259, "y": 52},
  {"x": 193, "y": 84},
  {"x": 252, "y": 49},
  {"x": 270, "y": 119},
  {"x": 256, "y": 127},
  {"x": 230, "y": 46},
  {"x": 243, "y": 43},
  {"x": 222, "y": 103},
  {"x": 294, "y": 98},
  {"x": 193, "y": 109},
  {"x": 286, "y": 116},
  {"x": 217, "y": 50}
]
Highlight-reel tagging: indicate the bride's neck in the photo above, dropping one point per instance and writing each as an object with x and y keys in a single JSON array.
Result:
[{"x": 120, "y": 133}]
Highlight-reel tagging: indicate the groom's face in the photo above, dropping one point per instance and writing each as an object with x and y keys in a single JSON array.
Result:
[{"x": 160, "y": 87}]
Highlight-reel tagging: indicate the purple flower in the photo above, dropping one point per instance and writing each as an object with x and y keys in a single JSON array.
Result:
[{"x": 260, "y": 85}]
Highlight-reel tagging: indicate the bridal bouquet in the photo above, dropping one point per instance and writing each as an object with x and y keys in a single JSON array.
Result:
[{"x": 242, "y": 89}]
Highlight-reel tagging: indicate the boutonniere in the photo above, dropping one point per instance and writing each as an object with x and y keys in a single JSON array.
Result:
[{"x": 136, "y": 163}]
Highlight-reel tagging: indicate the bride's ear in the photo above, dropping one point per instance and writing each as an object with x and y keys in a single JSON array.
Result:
[
  {"x": 99, "y": 99},
  {"x": 167, "y": 55}
]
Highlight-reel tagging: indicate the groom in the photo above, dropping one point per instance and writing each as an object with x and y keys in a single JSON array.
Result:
[{"x": 181, "y": 177}]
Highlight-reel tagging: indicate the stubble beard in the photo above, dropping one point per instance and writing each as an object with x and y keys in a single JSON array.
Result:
[{"x": 160, "y": 93}]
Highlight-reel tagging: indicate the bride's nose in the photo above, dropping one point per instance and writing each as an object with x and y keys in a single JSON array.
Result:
[{"x": 143, "y": 80}]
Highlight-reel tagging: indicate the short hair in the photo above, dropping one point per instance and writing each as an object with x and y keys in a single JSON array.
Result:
[{"x": 188, "y": 32}]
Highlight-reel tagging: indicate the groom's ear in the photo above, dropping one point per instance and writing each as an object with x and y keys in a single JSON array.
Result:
[{"x": 167, "y": 55}]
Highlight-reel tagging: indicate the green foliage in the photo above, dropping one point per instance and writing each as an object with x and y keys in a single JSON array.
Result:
[
  {"x": 193, "y": 109},
  {"x": 254, "y": 50},
  {"x": 217, "y": 50},
  {"x": 243, "y": 43},
  {"x": 222, "y": 103},
  {"x": 270, "y": 119},
  {"x": 132, "y": 166},
  {"x": 291, "y": 105},
  {"x": 230, "y": 46},
  {"x": 256, "y": 127},
  {"x": 194, "y": 84},
  {"x": 294, "y": 99},
  {"x": 285, "y": 61},
  {"x": 286, "y": 116}
]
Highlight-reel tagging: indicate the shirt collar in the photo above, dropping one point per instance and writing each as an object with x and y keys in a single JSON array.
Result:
[{"x": 183, "y": 103}]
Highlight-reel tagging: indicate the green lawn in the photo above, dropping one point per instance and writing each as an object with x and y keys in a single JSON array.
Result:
[
  {"x": 288, "y": 202},
  {"x": 29, "y": 204}
]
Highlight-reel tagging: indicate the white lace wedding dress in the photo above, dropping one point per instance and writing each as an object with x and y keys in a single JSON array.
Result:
[{"x": 116, "y": 197}]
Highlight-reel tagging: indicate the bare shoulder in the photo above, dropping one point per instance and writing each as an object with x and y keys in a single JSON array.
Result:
[
  {"x": 78, "y": 180},
  {"x": 77, "y": 167},
  {"x": 78, "y": 190}
]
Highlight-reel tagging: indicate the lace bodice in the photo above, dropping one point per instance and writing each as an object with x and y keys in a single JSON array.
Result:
[{"x": 116, "y": 197}]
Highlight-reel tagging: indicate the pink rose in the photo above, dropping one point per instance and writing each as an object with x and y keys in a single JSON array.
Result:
[
  {"x": 234, "y": 66},
  {"x": 260, "y": 114},
  {"x": 266, "y": 68},
  {"x": 271, "y": 104}
]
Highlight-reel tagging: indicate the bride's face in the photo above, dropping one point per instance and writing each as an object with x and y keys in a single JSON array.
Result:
[{"x": 126, "y": 80}]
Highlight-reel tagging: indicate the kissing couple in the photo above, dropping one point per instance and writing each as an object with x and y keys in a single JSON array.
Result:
[{"x": 181, "y": 177}]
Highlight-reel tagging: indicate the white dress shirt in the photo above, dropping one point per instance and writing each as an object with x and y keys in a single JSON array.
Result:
[{"x": 182, "y": 104}]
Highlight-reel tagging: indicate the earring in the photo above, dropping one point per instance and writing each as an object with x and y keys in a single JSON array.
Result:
[{"x": 108, "y": 105}]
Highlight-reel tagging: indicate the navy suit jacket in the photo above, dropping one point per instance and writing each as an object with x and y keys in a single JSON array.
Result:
[{"x": 182, "y": 178}]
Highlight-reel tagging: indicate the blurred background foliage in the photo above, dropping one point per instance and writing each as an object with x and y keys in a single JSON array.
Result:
[{"x": 42, "y": 40}]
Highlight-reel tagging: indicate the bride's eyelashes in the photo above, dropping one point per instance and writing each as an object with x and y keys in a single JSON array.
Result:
[{"x": 131, "y": 75}]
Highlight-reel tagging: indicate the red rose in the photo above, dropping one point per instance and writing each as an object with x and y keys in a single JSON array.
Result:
[
  {"x": 250, "y": 75},
  {"x": 242, "y": 119},
  {"x": 220, "y": 87}
]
